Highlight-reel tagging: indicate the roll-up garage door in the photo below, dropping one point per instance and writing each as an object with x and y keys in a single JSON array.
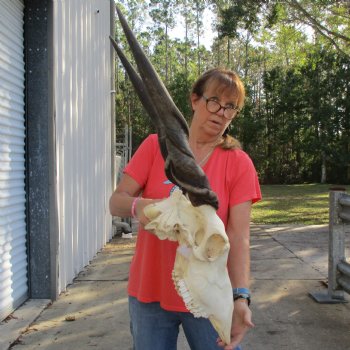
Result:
[{"x": 13, "y": 256}]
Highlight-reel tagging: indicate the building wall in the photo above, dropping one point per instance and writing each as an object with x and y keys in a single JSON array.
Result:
[
  {"x": 83, "y": 123},
  {"x": 13, "y": 254}
]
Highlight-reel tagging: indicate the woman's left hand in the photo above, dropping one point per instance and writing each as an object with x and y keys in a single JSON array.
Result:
[{"x": 241, "y": 323}]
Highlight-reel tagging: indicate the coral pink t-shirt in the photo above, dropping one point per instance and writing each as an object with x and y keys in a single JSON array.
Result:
[{"x": 232, "y": 177}]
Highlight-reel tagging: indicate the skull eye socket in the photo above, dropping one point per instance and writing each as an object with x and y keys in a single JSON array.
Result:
[
  {"x": 198, "y": 237},
  {"x": 215, "y": 246}
]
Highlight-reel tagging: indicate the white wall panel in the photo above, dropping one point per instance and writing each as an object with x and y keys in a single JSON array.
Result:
[
  {"x": 83, "y": 131},
  {"x": 13, "y": 255}
]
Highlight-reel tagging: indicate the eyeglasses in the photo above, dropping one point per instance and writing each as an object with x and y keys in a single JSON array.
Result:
[{"x": 213, "y": 106}]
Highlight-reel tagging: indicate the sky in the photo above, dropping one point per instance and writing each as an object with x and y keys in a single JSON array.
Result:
[{"x": 208, "y": 35}]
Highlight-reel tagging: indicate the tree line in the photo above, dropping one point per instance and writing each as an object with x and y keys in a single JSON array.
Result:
[{"x": 294, "y": 58}]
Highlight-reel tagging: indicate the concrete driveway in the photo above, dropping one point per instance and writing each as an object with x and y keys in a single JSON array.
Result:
[{"x": 288, "y": 262}]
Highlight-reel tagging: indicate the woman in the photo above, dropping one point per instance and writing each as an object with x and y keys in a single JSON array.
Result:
[{"x": 156, "y": 310}]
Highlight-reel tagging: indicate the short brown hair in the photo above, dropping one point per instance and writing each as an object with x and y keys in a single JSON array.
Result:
[{"x": 223, "y": 79}]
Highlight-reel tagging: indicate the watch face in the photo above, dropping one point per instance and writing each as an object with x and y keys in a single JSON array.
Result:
[{"x": 242, "y": 296}]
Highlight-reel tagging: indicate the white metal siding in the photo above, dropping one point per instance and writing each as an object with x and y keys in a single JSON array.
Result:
[
  {"x": 83, "y": 131},
  {"x": 13, "y": 256}
]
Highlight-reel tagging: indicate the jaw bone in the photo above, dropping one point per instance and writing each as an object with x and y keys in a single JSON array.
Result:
[
  {"x": 200, "y": 272},
  {"x": 205, "y": 289}
]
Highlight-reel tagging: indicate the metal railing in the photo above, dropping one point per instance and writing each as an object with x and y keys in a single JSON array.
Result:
[
  {"x": 338, "y": 267},
  {"x": 123, "y": 150},
  {"x": 123, "y": 147}
]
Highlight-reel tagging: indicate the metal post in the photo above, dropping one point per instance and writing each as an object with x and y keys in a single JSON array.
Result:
[
  {"x": 336, "y": 245},
  {"x": 336, "y": 253},
  {"x": 130, "y": 143},
  {"x": 126, "y": 143}
]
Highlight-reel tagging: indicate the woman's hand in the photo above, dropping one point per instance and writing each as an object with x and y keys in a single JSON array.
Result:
[
  {"x": 238, "y": 231},
  {"x": 140, "y": 205},
  {"x": 123, "y": 199},
  {"x": 241, "y": 323}
]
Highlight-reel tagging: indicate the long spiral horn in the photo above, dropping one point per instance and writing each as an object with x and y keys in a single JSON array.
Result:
[{"x": 180, "y": 165}]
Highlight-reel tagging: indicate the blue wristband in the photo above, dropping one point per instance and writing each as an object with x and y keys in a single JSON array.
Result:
[{"x": 239, "y": 291}]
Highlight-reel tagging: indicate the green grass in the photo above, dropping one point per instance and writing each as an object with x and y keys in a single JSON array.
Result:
[{"x": 305, "y": 204}]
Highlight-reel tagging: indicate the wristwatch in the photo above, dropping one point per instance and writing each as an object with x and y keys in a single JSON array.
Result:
[{"x": 241, "y": 293}]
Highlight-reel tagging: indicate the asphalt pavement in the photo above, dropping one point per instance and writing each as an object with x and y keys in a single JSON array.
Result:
[{"x": 288, "y": 263}]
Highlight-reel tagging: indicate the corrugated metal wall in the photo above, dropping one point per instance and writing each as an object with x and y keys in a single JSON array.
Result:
[
  {"x": 82, "y": 63},
  {"x": 13, "y": 257}
]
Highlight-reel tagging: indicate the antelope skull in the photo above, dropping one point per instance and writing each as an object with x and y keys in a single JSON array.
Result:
[{"x": 200, "y": 273}]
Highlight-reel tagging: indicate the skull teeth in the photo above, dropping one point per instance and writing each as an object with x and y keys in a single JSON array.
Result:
[{"x": 191, "y": 305}]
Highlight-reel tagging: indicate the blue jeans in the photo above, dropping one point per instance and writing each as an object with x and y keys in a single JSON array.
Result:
[{"x": 154, "y": 328}]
